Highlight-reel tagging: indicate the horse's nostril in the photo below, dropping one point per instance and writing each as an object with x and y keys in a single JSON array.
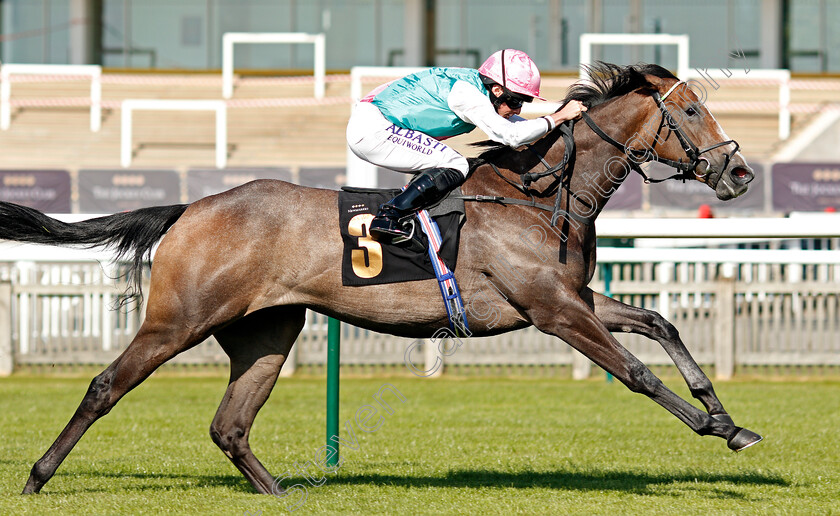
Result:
[{"x": 741, "y": 175}]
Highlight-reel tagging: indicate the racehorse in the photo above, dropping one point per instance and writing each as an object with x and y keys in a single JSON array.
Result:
[{"x": 244, "y": 265}]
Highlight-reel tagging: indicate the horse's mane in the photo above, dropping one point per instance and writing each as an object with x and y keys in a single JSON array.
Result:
[
  {"x": 604, "y": 81},
  {"x": 607, "y": 81}
]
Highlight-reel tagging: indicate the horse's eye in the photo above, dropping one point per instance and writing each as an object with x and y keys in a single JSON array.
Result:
[{"x": 690, "y": 111}]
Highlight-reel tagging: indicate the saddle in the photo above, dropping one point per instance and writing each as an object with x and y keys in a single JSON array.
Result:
[{"x": 368, "y": 262}]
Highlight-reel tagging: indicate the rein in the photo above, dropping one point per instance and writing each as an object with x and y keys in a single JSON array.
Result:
[{"x": 564, "y": 169}]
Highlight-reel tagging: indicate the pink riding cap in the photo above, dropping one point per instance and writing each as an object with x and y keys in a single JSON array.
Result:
[{"x": 521, "y": 73}]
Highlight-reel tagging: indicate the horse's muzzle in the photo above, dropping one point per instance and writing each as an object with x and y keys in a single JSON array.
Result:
[{"x": 731, "y": 183}]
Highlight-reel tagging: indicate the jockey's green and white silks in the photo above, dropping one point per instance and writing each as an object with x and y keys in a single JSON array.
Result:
[{"x": 420, "y": 101}]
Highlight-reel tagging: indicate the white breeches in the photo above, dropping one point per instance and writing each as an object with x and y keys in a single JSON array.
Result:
[{"x": 376, "y": 140}]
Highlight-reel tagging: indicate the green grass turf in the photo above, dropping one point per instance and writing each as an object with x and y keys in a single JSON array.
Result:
[{"x": 457, "y": 446}]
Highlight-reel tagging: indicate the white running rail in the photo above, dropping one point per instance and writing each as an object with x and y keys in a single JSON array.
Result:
[
  {"x": 94, "y": 71},
  {"x": 681, "y": 41},
  {"x": 780, "y": 76},
  {"x": 231, "y": 38},
  {"x": 130, "y": 105},
  {"x": 759, "y": 227},
  {"x": 358, "y": 74}
]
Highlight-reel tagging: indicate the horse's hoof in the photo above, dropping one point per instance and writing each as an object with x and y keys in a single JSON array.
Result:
[
  {"x": 743, "y": 439},
  {"x": 723, "y": 418},
  {"x": 31, "y": 488}
]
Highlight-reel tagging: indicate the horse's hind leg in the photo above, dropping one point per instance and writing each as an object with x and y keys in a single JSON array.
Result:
[
  {"x": 257, "y": 346},
  {"x": 153, "y": 345},
  {"x": 620, "y": 317}
]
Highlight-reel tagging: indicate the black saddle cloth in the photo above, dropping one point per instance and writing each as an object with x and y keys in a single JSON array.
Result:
[{"x": 368, "y": 262}]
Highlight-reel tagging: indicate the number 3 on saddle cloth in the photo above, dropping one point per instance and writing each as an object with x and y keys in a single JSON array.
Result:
[{"x": 368, "y": 262}]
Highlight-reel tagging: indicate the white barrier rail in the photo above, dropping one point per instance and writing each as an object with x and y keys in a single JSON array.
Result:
[
  {"x": 781, "y": 76},
  {"x": 130, "y": 105},
  {"x": 587, "y": 40},
  {"x": 759, "y": 227},
  {"x": 231, "y": 38},
  {"x": 94, "y": 71},
  {"x": 358, "y": 74},
  {"x": 814, "y": 226},
  {"x": 762, "y": 307},
  {"x": 684, "y": 72},
  {"x": 743, "y": 256}
]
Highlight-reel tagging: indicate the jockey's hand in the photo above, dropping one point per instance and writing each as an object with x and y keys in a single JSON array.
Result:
[{"x": 570, "y": 111}]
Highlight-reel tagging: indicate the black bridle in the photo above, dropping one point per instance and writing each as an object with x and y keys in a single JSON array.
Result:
[
  {"x": 687, "y": 169},
  {"x": 562, "y": 171}
]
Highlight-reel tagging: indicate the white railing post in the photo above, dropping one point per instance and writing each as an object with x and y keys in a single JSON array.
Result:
[
  {"x": 96, "y": 100},
  {"x": 221, "y": 136},
  {"x": 581, "y": 366},
  {"x": 125, "y": 136},
  {"x": 7, "y": 362},
  {"x": 108, "y": 271},
  {"x": 781, "y": 76},
  {"x": 589, "y": 39},
  {"x": 433, "y": 359},
  {"x": 219, "y": 106},
  {"x": 784, "y": 107},
  {"x": 320, "y": 65},
  {"x": 724, "y": 346},
  {"x": 290, "y": 365},
  {"x": 665, "y": 273},
  {"x": 682, "y": 55},
  {"x": 25, "y": 269},
  {"x": 230, "y": 38},
  {"x": 94, "y": 71},
  {"x": 5, "y": 99},
  {"x": 227, "y": 66}
]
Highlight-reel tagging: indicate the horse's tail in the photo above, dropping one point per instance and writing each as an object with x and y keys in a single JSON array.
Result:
[{"x": 131, "y": 235}]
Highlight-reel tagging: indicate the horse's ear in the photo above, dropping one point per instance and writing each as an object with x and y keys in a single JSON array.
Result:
[{"x": 652, "y": 84}]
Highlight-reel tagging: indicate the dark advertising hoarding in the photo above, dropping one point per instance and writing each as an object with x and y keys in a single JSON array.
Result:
[
  {"x": 203, "y": 182},
  {"x": 323, "y": 177},
  {"x": 690, "y": 195},
  {"x": 45, "y": 190},
  {"x": 387, "y": 178},
  {"x": 628, "y": 196},
  {"x": 806, "y": 186},
  {"x": 111, "y": 191}
]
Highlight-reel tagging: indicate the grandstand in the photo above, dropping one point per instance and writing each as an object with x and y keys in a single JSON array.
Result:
[{"x": 275, "y": 122}]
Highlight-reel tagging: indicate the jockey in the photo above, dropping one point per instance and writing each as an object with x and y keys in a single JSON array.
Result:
[{"x": 399, "y": 126}]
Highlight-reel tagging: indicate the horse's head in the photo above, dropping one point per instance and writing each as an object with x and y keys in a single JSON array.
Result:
[
  {"x": 712, "y": 156},
  {"x": 672, "y": 125}
]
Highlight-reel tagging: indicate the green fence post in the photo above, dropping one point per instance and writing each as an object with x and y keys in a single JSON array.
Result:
[
  {"x": 333, "y": 362},
  {"x": 606, "y": 273}
]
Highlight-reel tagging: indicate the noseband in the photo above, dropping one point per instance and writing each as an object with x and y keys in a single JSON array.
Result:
[{"x": 693, "y": 153}]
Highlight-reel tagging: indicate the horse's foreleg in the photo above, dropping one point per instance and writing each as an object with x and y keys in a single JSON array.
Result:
[
  {"x": 150, "y": 348},
  {"x": 620, "y": 317},
  {"x": 575, "y": 322},
  {"x": 257, "y": 346}
]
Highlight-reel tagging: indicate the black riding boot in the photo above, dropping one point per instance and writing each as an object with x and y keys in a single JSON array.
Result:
[{"x": 429, "y": 187}]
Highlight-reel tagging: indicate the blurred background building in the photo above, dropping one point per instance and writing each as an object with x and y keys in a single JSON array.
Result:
[
  {"x": 801, "y": 35},
  {"x": 155, "y": 49}
]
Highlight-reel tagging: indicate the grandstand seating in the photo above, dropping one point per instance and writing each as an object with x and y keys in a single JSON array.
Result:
[{"x": 309, "y": 134}]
